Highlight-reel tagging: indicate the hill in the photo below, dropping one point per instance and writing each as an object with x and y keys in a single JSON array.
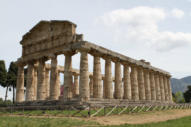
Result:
[{"x": 180, "y": 84}]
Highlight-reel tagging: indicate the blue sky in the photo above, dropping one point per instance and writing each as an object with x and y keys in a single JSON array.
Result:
[{"x": 155, "y": 30}]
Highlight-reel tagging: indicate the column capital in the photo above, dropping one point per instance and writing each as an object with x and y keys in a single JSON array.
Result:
[
  {"x": 52, "y": 56},
  {"x": 70, "y": 53}
]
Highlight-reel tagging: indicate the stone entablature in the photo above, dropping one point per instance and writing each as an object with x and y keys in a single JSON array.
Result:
[{"x": 137, "y": 81}]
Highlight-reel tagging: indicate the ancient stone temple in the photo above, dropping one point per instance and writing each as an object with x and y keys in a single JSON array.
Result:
[{"x": 133, "y": 81}]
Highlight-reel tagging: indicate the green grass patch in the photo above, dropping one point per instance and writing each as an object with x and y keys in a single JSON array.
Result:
[{"x": 9, "y": 121}]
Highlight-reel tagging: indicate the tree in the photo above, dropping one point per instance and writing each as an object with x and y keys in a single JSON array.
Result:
[
  {"x": 178, "y": 97},
  {"x": 12, "y": 77},
  {"x": 187, "y": 94},
  {"x": 3, "y": 73},
  {"x": 3, "y": 76}
]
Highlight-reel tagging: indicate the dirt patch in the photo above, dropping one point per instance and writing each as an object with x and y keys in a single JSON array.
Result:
[{"x": 141, "y": 118}]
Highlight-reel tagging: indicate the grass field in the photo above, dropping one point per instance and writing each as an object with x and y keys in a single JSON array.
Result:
[
  {"x": 58, "y": 118},
  {"x": 10, "y": 121}
]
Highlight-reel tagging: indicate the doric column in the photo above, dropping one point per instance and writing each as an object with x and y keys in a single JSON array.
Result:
[
  {"x": 162, "y": 88},
  {"x": 54, "y": 79},
  {"x": 103, "y": 87},
  {"x": 97, "y": 78},
  {"x": 165, "y": 88},
  {"x": 91, "y": 85},
  {"x": 41, "y": 87},
  {"x": 20, "y": 84},
  {"x": 169, "y": 89},
  {"x": 152, "y": 83},
  {"x": 35, "y": 80},
  {"x": 84, "y": 77},
  {"x": 134, "y": 83},
  {"x": 147, "y": 85},
  {"x": 47, "y": 83},
  {"x": 108, "y": 80},
  {"x": 141, "y": 84},
  {"x": 157, "y": 85},
  {"x": 118, "y": 81},
  {"x": 30, "y": 82},
  {"x": 68, "y": 76},
  {"x": 76, "y": 85},
  {"x": 127, "y": 82}
]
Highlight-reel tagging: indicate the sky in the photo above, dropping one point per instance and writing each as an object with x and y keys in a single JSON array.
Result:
[{"x": 155, "y": 30}]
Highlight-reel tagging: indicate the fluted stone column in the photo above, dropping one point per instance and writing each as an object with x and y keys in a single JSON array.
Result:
[
  {"x": 97, "y": 78},
  {"x": 30, "y": 82},
  {"x": 91, "y": 86},
  {"x": 103, "y": 87},
  {"x": 134, "y": 83},
  {"x": 141, "y": 84},
  {"x": 169, "y": 89},
  {"x": 47, "y": 83},
  {"x": 118, "y": 81},
  {"x": 68, "y": 76},
  {"x": 162, "y": 88},
  {"x": 127, "y": 83},
  {"x": 84, "y": 77},
  {"x": 108, "y": 80},
  {"x": 165, "y": 88},
  {"x": 54, "y": 79},
  {"x": 35, "y": 80},
  {"x": 152, "y": 84},
  {"x": 41, "y": 87},
  {"x": 147, "y": 85},
  {"x": 76, "y": 85},
  {"x": 20, "y": 84},
  {"x": 157, "y": 85}
]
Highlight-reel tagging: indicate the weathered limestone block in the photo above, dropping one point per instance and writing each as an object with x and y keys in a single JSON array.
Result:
[
  {"x": 134, "y": 83},
  {"x": 157, "y": 85},
  {"x": 76, "y": 85},
  {"x": 162, "y": 88},
  {"x": 54, "y": 80},
  {"x": 108, "y": 80},
  {"x": 84, "y": 77},
  {"x": 30, "y": 83},
  {"x": 152, "y": 84},
  {"x": 118, "y": 81},
  {"x": 41, "y": 87},
  {"x": 165, "y": 88},
  {"x": 141, "y": 84},
  {"x": 169, "y": 89},
  {"x": 68, "y": 76},
  {"x": 91, "y": 86},
  {"x": 127, "y": 83},
  {"x": 97, "y": 78},
  {"x": 147, "y": 85},
  {"x": 20, "y": 84},
  {"x": 47, "y": 83}
]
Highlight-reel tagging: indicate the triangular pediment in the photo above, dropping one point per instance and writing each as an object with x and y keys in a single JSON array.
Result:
[{"x": 45, "y": 29}]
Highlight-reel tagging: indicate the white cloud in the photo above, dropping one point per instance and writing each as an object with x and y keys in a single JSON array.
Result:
[
  {"x": 177, "y": 13},
  {"x": 139, "y": 25}
]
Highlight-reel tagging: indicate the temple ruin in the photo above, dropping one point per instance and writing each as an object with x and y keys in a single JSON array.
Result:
[{"x": 134, "y": 81}]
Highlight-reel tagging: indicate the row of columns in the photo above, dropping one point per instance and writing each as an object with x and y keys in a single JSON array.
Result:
[
  {"x": 136, "y": 84},
  {"x": 139, "y": 84}
]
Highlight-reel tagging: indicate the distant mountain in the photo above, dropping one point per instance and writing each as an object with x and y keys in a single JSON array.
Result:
[{"x": 180, "y": 84}]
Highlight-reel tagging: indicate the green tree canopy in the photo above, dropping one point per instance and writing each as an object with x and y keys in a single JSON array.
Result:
[
  {"x": 187, "y": 94},
  {"x": 3, "y": 73},
  {"x": 12, "y": 74},
  {"x": 178, "y": 97}
]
